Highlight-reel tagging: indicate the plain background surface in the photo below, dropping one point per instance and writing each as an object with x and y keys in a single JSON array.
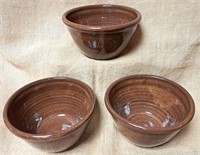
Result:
[{"x": 35, "y": 44}]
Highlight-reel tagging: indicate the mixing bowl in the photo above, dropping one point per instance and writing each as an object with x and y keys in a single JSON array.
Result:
[
  {"x": 102, "y": 31},
  {"x": 50, "y": 114},
  {"x": 149, "y": 110}
]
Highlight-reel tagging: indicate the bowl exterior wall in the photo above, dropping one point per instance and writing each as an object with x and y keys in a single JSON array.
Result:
[
  {"x": 60, "y": 144},
  {"x": 143, "y": 139},
  {"x": 102, "y": 45}
]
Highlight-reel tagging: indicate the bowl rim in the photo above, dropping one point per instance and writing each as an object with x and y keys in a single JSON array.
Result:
[
  {"x": 58, "y": 134},
  {"x": 158, "y": 130},
  {"x": 91, "y": 28}
]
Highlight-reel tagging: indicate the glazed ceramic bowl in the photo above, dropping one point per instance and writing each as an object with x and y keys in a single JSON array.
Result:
[
  {"x": 149, "y": 110},
  {"x": 102, "y": 31},
  {"x": 51, "y": 114}
]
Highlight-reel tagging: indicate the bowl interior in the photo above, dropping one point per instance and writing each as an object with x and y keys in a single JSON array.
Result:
[
  {"x": 150, "y": 102},
  {"x": 49, "y": 106},
  {"x": 102, "y": 15}
]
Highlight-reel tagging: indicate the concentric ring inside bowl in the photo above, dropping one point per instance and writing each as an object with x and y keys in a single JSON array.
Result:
[
  {"x": 54, "y": 106},
  {"x": 149, "y": 102}
]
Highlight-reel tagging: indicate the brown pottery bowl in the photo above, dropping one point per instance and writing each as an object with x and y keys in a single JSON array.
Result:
[
  {"x": 102, "y": 31},
  {"x": 149, "y": 110},
  {"x": 50, "y": 114}
]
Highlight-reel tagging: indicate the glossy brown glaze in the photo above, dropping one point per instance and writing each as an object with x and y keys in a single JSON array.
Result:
[
  {"x": 102, "y": 31},
  {"x": 149, "y": 110},
  {"x": 50, "y": 114}
]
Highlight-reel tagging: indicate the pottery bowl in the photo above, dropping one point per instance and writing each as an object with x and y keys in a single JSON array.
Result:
[
  {"x": 102, "y": 31},
  {"x": 50, "y": 114},
  {"x": 149, "y": 110}
]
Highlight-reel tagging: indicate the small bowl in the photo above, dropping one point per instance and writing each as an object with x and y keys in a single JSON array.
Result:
[
  {"x": 51, "y": 114},
  {"x": 149, "y": 110},
  {"x": 102, "y": 31}
]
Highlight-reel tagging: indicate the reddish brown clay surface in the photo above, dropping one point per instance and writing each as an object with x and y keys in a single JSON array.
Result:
[
  {"x": 149, "y": 110},
  {"x": 102, "y": 31},
  {"x": 50, "y": 114}
]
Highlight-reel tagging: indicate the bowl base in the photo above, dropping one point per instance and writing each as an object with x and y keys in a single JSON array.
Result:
[
  {"x": 146, "y": 114},
  {"x": 56, "y": 122}
]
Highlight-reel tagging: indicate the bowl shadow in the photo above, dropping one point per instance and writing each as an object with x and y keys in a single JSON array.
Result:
[
  {"x": 91, "y": 130},
  {"x": 134, "y": 42}
]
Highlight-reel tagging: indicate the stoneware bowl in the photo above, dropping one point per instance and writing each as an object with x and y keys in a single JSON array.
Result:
[
  {"x": 50, "y": 114},
  {"x": 149, "y": 110},
  {"x": 102, "y": 31}
]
